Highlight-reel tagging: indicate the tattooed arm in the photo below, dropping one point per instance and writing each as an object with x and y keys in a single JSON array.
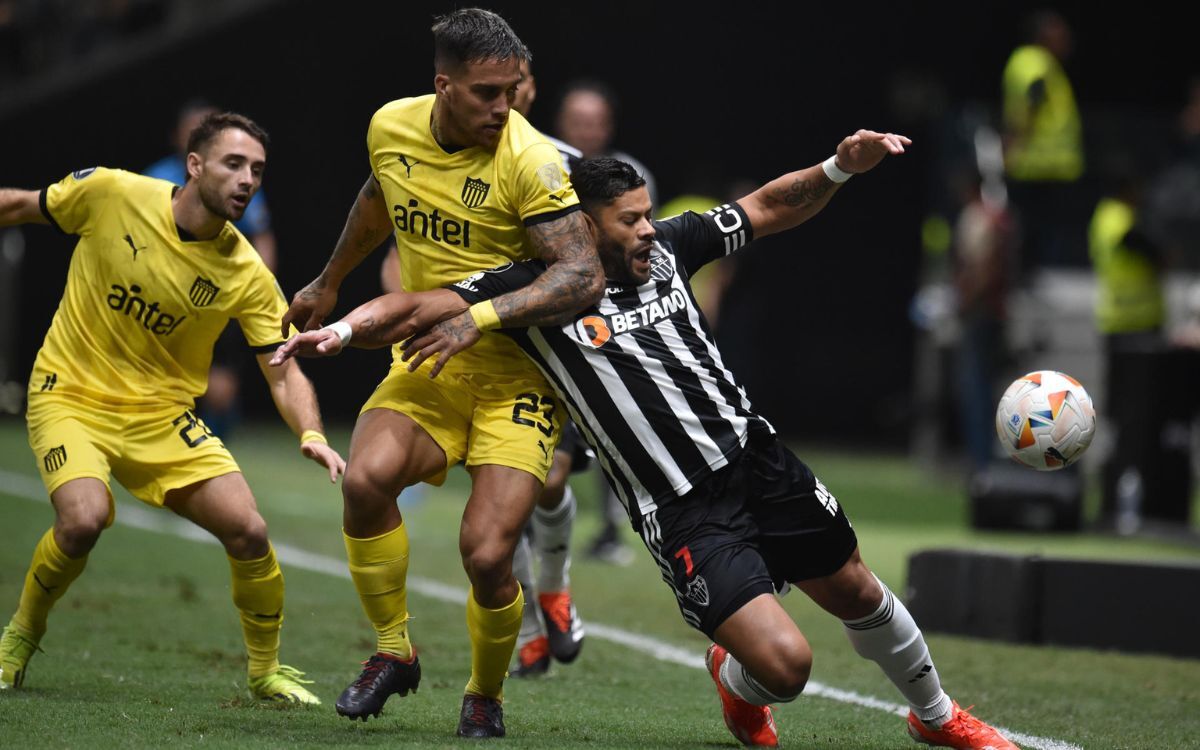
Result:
[
  {"x": 367, "y": 226},
  {"x": 573, "y": 281},
  {"x": 794, "y": 198},
  {"x": 381, "y": 322}
]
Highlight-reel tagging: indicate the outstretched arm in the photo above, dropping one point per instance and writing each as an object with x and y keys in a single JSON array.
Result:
[
  {"x": 794, "y": 198},
  {"x": 297, "y": 403},
  {"x": 573, "y": 281},
  {"x": 20, "y": 207},
  {"x": 381, "y": 322},
  {"x": 366, "y": 228}
]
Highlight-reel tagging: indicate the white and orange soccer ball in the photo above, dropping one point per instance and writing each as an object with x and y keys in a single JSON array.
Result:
[{"x": 1046, "y": 420}]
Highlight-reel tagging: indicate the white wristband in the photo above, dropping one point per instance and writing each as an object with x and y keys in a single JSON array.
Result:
[
  {"x": 343, "y": 330},
  {"x": 832, "y": 172}
]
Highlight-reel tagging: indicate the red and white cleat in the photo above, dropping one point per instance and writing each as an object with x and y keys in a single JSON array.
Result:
[{"x": 752, "y": 725}]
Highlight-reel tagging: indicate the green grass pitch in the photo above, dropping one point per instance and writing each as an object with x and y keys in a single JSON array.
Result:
[{"x": 145, "y": 651}]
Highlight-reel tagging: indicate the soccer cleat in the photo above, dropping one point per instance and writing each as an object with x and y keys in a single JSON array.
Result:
[
  {"x": 754, "y": 726},
  {"x": 962, "y": 731},
  {"x": 382, "y": 675},
  {"x": 283, "y": 686},
  {"x": 533, "y": 658},
  {"x": 563, "y": 626},
  {"x": 481, "y": 717},
  {"x": 15, "y": 650}
]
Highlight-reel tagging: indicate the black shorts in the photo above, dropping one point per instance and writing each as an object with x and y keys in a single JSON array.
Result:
[
  {"x": 572, "y": 442},
  {"x": 749, "y": 529}
]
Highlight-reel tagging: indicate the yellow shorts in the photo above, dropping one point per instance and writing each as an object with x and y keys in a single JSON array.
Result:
[
  {"x": 505, "y": 415},
  {"x": 149, "y": 452}
]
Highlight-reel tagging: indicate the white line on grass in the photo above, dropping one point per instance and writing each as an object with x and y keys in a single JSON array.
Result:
[{"x": 141, "y": 517}]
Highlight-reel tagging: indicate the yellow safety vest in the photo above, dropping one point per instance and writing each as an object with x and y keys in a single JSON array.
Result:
[
  {"x": 1048, "y": 145},
  {"x": 1129, "y": 295}
]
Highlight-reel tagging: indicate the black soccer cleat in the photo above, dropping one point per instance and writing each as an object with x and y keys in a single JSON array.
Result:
[
  {"x": 563, "y": 626},
  {"x": 481, "y": 717},
  {"x": 382, "y": 675}
]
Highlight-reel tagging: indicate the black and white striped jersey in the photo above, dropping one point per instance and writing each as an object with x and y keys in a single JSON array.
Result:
[
  {"x": 570, "y": 155},
  {"x": 640, "y": 372}
]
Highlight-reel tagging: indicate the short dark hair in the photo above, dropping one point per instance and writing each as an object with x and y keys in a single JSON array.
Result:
[
  {"x": 212, "y": 126},
  {"x": 473, "y": 34},
  {"x": 602, "y": 180}
]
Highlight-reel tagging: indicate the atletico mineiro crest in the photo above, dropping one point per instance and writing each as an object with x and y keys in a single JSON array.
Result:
[
  {"x": 203, "y": 292},
  {"x": 474, "y": 192}
]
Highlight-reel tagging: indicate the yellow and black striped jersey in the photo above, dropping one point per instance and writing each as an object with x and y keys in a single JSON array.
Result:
[{"x": 144, "y": 302}]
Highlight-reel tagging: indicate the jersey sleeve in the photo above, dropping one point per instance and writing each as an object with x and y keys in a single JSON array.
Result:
[
  {"x": 72, "y": 204},
  {"x": 541, "y": 189},
  {"x": 262, "y": 309},
  {"x": 496, "y": 281},
  {"x": 698, "y": 239}
]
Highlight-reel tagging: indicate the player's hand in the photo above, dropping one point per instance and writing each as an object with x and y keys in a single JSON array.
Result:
[
  {"x": 444, "y": 340},
  {"x": 319, "y": 343},
  {"x": 866, "y": 148},
  {"x": 309, "y": 307},
  {"x": 325, "y": 456}
]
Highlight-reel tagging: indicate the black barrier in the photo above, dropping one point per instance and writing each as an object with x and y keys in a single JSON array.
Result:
[{"x": 1133, "y": 607}]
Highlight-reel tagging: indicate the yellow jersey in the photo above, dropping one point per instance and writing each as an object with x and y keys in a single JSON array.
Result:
[
  {"x": 144, "y": 302},
  {"x": 457, "y": 213}
]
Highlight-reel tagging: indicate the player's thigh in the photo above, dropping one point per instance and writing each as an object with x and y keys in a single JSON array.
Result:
[
  {"x": 517, "y": 422},
  {"x": 389, "y": 451},
  {"x": 440, "y": 407},
  {"x": 556, "y": 481},
  {"x": 224, "y": 506},
  {"x": 765, "y": 639},
  {"x": 72, "y": 444}
]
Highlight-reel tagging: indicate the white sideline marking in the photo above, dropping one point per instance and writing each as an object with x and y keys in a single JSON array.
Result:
[{"x": 141, "y": 517}]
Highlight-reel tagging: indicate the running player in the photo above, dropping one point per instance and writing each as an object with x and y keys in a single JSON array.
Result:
[
  {"x": 730, "y": 515},
  {"x": 465, "y": 184},
  {"x": 157, "y": 274}
]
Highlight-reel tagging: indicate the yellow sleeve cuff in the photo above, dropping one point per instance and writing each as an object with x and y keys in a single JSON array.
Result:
[
  {"x": 312, "y": 436},
  {"x": 484, "y": 315}
]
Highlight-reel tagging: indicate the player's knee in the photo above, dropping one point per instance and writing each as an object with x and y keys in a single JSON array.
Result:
[
  {"x": 78, "y": 533},
  {"x": 488, "y": 564},
  {"x": 788, "y": 669},
  {"x": 248, "y": 540}
]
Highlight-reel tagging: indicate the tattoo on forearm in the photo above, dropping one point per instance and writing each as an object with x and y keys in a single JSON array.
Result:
[
  {"x": 800, "y": 193},
  {"x": 573, "y": 281}
]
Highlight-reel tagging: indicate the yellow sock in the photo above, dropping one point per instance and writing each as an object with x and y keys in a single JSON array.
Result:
[
  {"x": 258, "y": 594},
  {"x": 493, "y": 635},
  {"x": 379, "y": 569},
  {"x": 50, "y": 574}
]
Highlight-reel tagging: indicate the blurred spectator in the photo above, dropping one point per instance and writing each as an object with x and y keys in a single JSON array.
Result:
[
  {"x": 1044, "y": 145},
  {"x": 1173, "y": 199},
  {"x": 220, "y": 407},
  {"x": 587, "y": 121},
  {"x": 982, "y": 269},
  {"x": 1129, "y": 317}
]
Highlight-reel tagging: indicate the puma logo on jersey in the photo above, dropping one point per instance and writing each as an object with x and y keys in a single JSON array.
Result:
[
  {"x": 129, "y": 239},
  {"x": 403, "y": 159}
]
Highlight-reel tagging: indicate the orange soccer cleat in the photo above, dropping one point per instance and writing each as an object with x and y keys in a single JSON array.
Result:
[
  {"x": 752, "y": 725},
  {"x": 962, "y": 731}
]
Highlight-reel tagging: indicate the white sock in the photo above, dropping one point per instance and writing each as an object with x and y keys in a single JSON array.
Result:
[
  {"x": 552, "y": 539},
  {"x": 531, "y": 619},
  {"x": 738, "y": 681},
  {"x": 890, "y": 637}
]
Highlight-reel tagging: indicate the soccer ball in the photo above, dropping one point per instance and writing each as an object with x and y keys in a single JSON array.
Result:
[{"x": 1046, "y": 420}]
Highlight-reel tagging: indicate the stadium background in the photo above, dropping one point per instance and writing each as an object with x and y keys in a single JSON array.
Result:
[{"x": 817, "y": 323}]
